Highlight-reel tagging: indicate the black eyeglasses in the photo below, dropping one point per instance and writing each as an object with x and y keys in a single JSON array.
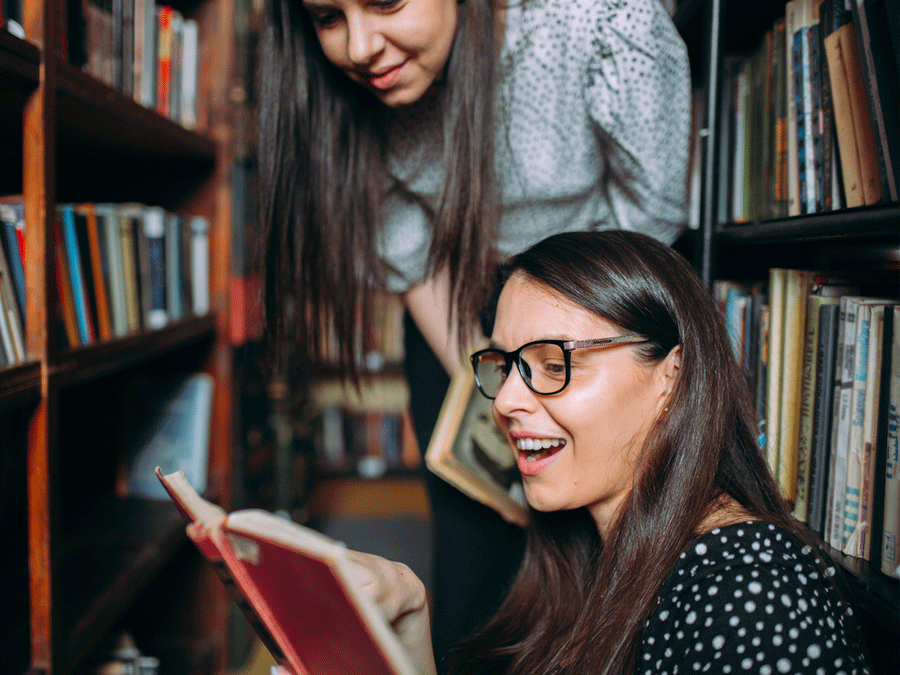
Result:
[{"x": 545, "y": 365}]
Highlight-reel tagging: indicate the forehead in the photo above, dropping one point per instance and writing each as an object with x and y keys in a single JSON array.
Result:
[{"x": 528, "y": 310}]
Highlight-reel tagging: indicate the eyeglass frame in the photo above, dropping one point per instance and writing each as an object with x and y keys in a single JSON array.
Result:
[{"x": 567, "y": 347}]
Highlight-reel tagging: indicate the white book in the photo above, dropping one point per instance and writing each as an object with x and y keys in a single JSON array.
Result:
[
  {"x": 200, "y": 264},
  {"x": 108, "y": 223},
  {"x": 189, "y": 68}
]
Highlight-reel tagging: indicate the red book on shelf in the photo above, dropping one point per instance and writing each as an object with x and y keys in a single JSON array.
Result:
[{"x": 164, "y": 59}]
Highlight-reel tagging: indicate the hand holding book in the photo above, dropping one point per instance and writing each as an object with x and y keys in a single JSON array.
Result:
[
  {"x": 319, "y": 608},
  {"x": 400, "y": 596}
]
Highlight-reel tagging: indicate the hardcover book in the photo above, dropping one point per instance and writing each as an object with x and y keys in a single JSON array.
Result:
[
  {"x": 296, "y": 587},
  {"x": 468, "y": 451}
]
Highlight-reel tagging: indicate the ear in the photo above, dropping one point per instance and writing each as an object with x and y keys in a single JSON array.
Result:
[{"x": 668, "y": 370}]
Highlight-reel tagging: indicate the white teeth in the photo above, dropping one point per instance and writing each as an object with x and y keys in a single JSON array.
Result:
[{"x": 539, "y": 443}]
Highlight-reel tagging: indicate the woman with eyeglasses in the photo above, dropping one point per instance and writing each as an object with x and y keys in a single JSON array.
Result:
[
  {"x": 658, "y": 540},
  {"x": 411, "y": 145}
]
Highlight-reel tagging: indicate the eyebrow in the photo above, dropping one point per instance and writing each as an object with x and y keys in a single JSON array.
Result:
[{"x": 556, "y": 336}]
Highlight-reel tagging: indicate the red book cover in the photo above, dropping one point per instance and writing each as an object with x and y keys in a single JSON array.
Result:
[{"x": 296, "y": 587}]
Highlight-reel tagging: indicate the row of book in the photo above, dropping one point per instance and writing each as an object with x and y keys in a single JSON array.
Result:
[
  {"x": 368, "y": 443},
  {"x": 810, "y": 120},
  {"x": 365, "y": 430},
  {"x": 824, "y": 364},
  {"x": 147, "y": 51},
  {"x": 120, "y": 268},
  {"x": 383, "y": 345}
]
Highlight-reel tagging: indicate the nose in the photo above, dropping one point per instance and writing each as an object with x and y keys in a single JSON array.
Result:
[
  {"x": 513, "y": 394},
  {"x": 364, "y": 40}
]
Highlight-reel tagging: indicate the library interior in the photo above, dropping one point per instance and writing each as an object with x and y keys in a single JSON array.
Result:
[{"x": 132, "y": 335}]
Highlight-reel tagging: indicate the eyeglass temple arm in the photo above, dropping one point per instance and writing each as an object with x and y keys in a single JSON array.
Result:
[{"x": 601, "y": 342}]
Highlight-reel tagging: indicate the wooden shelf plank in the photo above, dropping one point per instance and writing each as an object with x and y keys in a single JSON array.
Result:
[
  {"x": 866, "y": 223},
  {"x": 86, "y": 363},
  {"x": 20, "y": 384},
  {"x": 19, "y": 61},
  {"x": 93, "y": 112}
]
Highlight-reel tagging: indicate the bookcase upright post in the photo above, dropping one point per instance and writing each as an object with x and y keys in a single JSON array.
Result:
[{"x": 67, "y": 449}]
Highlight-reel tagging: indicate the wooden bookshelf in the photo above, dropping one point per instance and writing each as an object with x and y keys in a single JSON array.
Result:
[
  {"x": 862, "y": 243},
  {"x": 85, "y": 561}
]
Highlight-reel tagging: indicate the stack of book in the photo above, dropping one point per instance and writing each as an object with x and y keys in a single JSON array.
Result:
[{"x": 824, "y": 363}]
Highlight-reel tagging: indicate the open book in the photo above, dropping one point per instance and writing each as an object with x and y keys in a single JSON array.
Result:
[
  {"x": 295, "y": 586},
  {"x": 468, "y": 451}
]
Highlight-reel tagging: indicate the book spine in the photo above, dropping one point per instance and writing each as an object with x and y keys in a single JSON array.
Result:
[
  {"x": 200, "y": 264},
  {"x": 73, "y": 260},
  {"x": 793, "y": 11},
  {"x": 872, "y": 38},
  {"x": 870, "y": 435},
  {"x": 164, "y": 60},
  {"x": 64, "y": 288},
  {"x": 779, "y": 104},
  {"x": 9, "y": 314},
  {"x": 99, "y": 275},
  {"x": 807, "y": 405},
  {"x": 777, "y": 281},
  {"x": 816, "y": 120},
  {"x": 153, "y": 268},
  {"x": 9, "y": 234},
  {"x": 826, "y": 358},
  {"x": 189, "y": 64},
  {"x": 130, "y": 269},
  {"x": 797, "y": 289},
  {"x": 855, "y": 451},
  {"x": 890, "y": 561},
  {"x": 108, "y": 222},
  {"x": 174, "y": 260},
  {"x": 840, "y": 73},
  {"x": 841, "y": 422}
]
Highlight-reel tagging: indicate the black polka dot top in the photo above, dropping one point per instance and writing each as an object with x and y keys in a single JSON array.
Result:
[{"x": 749, "y": 598}]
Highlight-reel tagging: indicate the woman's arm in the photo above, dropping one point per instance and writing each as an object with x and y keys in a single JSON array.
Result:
[{"x": 429, "y": 305}]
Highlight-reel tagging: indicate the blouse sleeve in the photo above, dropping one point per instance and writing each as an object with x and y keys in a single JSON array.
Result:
[{"x": 638, "y": 94}]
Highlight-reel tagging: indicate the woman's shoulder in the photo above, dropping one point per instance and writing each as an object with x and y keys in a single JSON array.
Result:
[
  {"x": 749, "y": 550},
  {"x": 753, "y": 591},
  {"x": 590, "y": 18}
]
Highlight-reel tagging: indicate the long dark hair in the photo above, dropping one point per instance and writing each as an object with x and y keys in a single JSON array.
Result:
[
  {"x": 322, "y": 179},
  {"x": 579, "y": 603}
]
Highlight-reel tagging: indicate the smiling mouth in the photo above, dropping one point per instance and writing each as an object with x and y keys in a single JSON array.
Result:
[
  {"x": 386, "y": 79},
  {"x": 534, "y": 449}
]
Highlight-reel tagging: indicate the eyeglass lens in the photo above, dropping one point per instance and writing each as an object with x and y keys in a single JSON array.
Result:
[{"x": 542, "y": 366}]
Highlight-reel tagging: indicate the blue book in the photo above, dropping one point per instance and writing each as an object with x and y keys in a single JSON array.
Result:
[{"x": 70, "y": 246}]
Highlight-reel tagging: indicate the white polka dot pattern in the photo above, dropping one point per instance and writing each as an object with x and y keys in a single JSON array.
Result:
[{"x": 748, "y": 599}]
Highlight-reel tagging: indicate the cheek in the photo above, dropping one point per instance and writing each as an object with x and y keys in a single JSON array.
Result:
[{"x": 331, "y": 47}]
